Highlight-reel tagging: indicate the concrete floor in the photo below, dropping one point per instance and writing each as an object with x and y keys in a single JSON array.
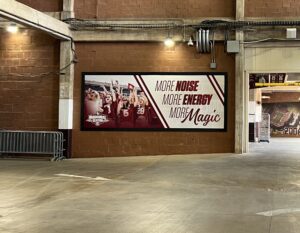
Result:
[{"x": 161, "y": 194}]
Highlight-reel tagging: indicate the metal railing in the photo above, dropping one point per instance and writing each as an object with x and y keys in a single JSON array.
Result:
[{"x": 32, "y": 142}]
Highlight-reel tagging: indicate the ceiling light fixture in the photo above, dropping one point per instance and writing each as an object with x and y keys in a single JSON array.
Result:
[
  {"x": 12, "y": 28},
  {"x": 169, "y": 42},
  {"x": 266, "y": 97},
  {"x": 190, "y": 42}
]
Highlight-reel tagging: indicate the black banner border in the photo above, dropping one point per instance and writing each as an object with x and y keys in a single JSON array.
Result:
[{"x": 83, "y": 74}]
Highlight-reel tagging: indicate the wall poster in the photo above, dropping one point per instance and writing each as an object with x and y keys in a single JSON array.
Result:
[
  {"x": 285, "y": 119},
  {"x": 154, "y": 101}
]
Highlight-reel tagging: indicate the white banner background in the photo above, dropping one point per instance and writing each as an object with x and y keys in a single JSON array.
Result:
[{"x": 211, "y": 85}]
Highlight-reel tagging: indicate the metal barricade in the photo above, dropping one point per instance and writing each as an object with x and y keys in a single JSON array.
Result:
[{"x": 32, "y": 142}]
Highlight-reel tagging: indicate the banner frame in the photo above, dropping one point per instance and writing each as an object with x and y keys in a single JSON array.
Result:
[{"x": 82, "y": 128}]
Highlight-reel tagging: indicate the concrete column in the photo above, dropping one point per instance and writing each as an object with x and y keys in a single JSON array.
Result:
[
  {"x": 66, "y": 95},
  {"x": 68, "y": 9},
  {"x": 66, "y": 87},
  {"x": 240, "y": 10},
  {"x": 240, "y": 133}
]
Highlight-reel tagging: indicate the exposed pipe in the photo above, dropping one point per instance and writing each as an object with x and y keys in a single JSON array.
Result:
[
  {"x": 203, "y": 41},
  {"x": 241, "y": 24},
  {"x": 207, "y": 41},
  {"x": 79, "y": 23},
  {"x": 197, "y": 41}
]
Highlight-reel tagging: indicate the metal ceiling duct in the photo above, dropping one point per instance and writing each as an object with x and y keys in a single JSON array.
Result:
[{"x": 202, "y": 41}]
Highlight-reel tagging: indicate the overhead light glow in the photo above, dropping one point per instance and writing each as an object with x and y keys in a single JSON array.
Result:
[
  {"x": 266, "y": 97},
  {"x": 169, "y": 42},
  {"x": 12, "y": 28}
]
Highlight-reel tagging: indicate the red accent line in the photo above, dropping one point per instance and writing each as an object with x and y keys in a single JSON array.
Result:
[
  {"x": 215, "y": 89},
  {"x": 221, "y": 90},
  {"x": 162, "y": 116}
]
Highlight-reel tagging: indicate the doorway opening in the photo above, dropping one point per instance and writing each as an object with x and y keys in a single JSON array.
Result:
[{"x": 274, "y": 113}]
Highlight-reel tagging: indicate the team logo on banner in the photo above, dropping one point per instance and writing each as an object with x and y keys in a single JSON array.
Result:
[{"x": 153, "y": 101}]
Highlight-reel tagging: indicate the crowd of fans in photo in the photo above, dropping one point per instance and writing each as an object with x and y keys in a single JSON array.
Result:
[{"x": 118, "y": 107}]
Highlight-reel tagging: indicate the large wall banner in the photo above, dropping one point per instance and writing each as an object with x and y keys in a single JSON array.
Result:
[
  {"x": 285, "y": 119},
  {"x": 154, "y": 101}
]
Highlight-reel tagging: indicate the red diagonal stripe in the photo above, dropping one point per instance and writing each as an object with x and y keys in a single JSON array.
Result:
[
  {"x": 221, "y": 90},
  {"x": 215, "y": 89}
]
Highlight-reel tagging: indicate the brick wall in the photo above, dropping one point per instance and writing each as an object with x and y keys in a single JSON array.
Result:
[
  {"x": 272, "y": 8},
  {"x": 107, "y": 9},
  {"x": 44, "y": 5},
  {"x": 148, "y": 57},
  {"x": 27, "y": 102}
]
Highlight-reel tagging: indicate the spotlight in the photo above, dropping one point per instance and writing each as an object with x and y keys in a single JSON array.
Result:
[
  {"x": 169, "y": 42},
  {"x": 12, "y": 28},
  {"x": 190, "y": 42}
]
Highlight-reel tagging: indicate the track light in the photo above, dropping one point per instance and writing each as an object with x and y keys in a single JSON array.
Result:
[
  {"x": 190, "y": 42},
  {"x": 169, "y": 42},
  {"x": 12, "y": 28}
]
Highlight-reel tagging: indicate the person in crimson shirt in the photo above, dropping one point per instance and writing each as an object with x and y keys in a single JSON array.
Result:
[
  {"x": 125, "y": 111},
  {"x": 110, "y": 104},
  {"x": 141, "y": 111},
  {"x": 154, "y": 121},
  {"x": 126, "y": 114}
]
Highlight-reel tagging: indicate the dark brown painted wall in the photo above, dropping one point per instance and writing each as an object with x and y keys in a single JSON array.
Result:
[
  {"x": 44, "y": 5},
  {"x": 108, "y": 9},
  {"x": 272, "y": 8},
  {"x": 148, "y": 57},
  {"x": 282, "y": 97},
  {"x": 28, "y": 102}
]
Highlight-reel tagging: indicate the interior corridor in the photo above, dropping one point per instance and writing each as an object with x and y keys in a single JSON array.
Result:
[{"x": 253, "y": 193}]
